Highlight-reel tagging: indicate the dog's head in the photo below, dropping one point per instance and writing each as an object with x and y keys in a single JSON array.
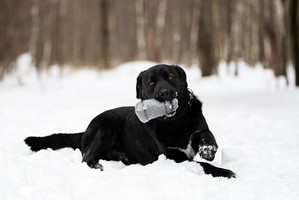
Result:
[{"x": 161, "y": 82}]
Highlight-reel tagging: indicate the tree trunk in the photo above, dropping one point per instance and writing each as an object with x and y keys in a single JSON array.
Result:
[
  {"x": 261, "y": 55},
  {"x": 34, "y": 30},
  {"x": 295, "y": 39},
  {"x": 105, "y": 33},
  {"x": 206, "y": 40},
  {"x": 76, "y": 32},
  {"x": 140, "y": 29},
  {"x": 194, "y": 33}
]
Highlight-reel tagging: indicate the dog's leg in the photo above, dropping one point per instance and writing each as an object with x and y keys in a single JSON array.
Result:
[
  {"x": 216, "y": 171},
  {"x": 208, "y": 168},
  {"x": 100, "y": 138},
  {"x": 100, "y": 146}
]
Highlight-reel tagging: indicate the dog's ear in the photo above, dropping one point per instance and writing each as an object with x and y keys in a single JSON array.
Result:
[
  {"x": 139, "y": 85},
  {"x": 182, "y": 74}
]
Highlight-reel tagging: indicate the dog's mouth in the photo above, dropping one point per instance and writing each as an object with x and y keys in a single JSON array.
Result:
[
  {"x": 171, "y": 107},
  {"x": 170, "y": 114}
]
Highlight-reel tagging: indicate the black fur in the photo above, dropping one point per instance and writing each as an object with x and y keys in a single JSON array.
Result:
[{"x": 119, "y": 135}]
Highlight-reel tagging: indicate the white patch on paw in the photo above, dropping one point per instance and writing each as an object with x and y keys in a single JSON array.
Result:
[
  {"x": 207, "y": 152},
  {"x": 206, "y": 149},
  {"x": 217, "y": 160}
]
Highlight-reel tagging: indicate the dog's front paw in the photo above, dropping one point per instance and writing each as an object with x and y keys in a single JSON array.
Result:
[{"x": 207, "y": 152}]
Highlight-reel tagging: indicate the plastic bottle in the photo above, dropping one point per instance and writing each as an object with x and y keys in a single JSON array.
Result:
[{"x": 151, "y": 108}]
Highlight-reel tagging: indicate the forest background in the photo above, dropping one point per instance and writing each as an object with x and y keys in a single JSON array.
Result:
[{"x": 105, "y": 33}]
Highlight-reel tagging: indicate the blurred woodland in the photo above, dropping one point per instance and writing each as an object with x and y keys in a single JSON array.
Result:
[{"x": 104, "y": 33}]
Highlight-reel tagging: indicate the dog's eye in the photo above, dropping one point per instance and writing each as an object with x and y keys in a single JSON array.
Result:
[
  {"x": 151, "y": 83},
  {"x": 170, "y": 76}
]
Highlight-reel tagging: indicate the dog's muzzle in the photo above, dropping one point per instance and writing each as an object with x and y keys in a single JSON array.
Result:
[{"x": 166, "y": 95}]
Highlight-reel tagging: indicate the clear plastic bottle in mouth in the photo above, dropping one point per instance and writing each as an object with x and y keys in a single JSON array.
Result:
[{"x": 149, "y": 109}]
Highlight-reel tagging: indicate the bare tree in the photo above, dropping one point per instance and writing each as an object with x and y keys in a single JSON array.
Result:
[
  {"x": 206, "y": 39},
  {"x": 194, "y": 32},
  {"x": 34, "y": 29},
  {"x": 105, "y": 46},
  {"x": 160, "y": 24},
  {"x": 140, "y": 29},
  {"x": 294, "y": 6}
]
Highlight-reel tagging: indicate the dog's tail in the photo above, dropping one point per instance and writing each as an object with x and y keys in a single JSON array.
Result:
[{"x": 55, "y": 141}]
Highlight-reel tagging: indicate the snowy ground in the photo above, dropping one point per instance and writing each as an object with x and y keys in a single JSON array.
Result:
[{"x": 253, "y": 117}]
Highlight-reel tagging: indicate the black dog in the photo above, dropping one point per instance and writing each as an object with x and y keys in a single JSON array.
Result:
[{"x": 119, "y": 135}]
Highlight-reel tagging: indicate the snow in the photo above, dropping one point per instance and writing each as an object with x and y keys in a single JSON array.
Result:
[{"x": 254, "y": 118}]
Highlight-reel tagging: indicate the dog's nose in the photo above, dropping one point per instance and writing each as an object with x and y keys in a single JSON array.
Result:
[{"x": 164, "y": 95}]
